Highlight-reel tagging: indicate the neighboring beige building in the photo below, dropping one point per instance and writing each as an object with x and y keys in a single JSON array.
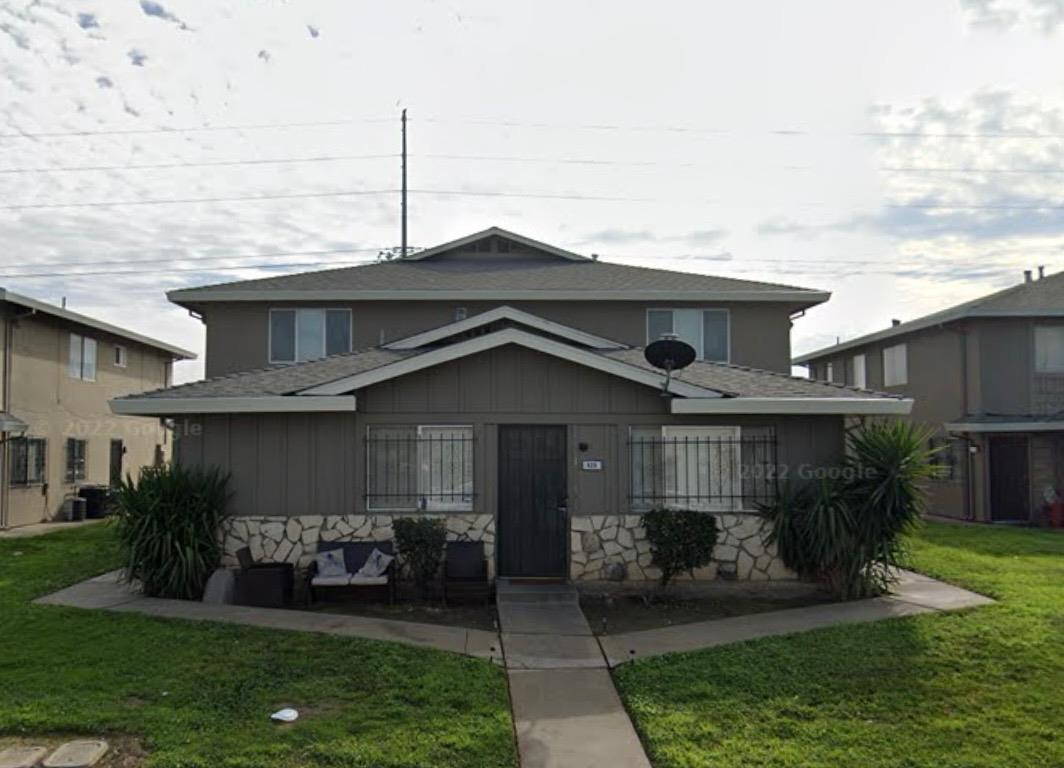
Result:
[
  {"x": 58, "y": 369},
  {"x": 988, "y": 375}
]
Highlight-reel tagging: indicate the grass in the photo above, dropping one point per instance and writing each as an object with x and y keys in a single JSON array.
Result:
[
  {"x": 199, "y": 694},
  {"x": 983, "y": 687}
]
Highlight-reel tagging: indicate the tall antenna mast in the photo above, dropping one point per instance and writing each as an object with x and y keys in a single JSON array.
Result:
[{"x": 402, "y": 251}]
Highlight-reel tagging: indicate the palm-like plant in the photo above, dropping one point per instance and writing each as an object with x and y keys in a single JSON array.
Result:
[
  {"x": 168, "y": 524},
  {"x": 848, "y": 530}
]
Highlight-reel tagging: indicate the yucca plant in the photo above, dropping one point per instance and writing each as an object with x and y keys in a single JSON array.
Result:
[
  {"x": 168, "y": 524},
  {"x": 848, "y": 530}
]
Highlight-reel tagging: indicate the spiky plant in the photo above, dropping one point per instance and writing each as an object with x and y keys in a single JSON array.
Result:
[{"x": 168, "y": 524}]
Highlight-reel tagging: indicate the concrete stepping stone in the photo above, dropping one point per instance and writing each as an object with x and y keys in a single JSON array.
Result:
[
  {"x": 22, "y": 757},
  {"x": 77, "y": 754}
]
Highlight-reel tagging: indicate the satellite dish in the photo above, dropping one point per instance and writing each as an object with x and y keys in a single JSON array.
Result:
[{"x": 669, "y": 354}]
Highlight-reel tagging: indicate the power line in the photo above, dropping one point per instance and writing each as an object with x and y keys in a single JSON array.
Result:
[
  {"x": 304, "y": 195},
  {"x": 199, "y": 164},
  {"x": 189, "y": 129},
  {"x": 179, "y": 258},
  {"x": 201, "y": 270}
]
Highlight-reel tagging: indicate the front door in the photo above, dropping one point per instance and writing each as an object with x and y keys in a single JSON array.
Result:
[
  {"x": 533, "y": 519},
  {"x": 1010, "y": 483}
]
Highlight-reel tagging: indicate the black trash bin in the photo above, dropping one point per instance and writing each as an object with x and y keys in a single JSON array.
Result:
[{"x": 97, "y": 500}]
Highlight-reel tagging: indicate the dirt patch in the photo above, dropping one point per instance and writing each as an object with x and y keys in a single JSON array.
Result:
[
  {"x": 632, "y": 612},
  {"x": 468, "y": 616},
  {"x": 122, "y": 752}
]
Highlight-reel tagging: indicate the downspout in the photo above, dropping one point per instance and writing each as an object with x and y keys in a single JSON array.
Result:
[{"x": 969, "y": 491}]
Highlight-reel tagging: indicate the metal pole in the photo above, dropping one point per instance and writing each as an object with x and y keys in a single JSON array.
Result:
[{"x": 403, "y": 249}]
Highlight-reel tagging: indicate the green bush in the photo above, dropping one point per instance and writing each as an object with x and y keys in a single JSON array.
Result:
[
  {"x": 420, "y": 541},
  {"x": 168, "y": 526},
  {"x": 680, "y": 540},
  {"x": 848, "y": 530}
]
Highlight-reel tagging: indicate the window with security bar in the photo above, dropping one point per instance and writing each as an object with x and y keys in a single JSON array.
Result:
[
  {"x": 27, "y": 460},
  {"x": 719, "y": 468},
  {"x": 423, "y": 467}
]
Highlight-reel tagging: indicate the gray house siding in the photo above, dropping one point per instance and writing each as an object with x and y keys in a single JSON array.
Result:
[
  {"x": 313, "y": 464},
  {"x": 238, "y": 336}
]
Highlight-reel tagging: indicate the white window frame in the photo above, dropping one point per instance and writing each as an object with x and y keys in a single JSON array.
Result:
[
  {"x": 730, "y": 499},
  {"x": 23, "y": 443},
  {"x": 860, "y": 371},
  {"x": 896, "y": 365},
  {"x": 76, "y": 365},
  {"x": 1041, "y": 331},
  {"x": 700, "y": 349},
  {"x": 75, "y": 471},
  {"x": 421, "y": 471},
  {"x": 121, "y": 359},
  {"x": 325, "y": 331}
]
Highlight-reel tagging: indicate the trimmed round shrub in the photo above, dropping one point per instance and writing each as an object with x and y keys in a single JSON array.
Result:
[
  {"x": 680, "y": 540},
  {"x": 420, "y": 541}
]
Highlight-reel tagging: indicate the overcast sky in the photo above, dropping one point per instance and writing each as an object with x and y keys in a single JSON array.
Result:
[{"x": 904, "y": 155}]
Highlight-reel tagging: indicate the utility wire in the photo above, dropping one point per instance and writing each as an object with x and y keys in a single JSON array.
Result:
[
  {"x": 199, "y": 164},
  {"x": 201, "y": 270},
  {"x": 218, "y": 257},
  {"x": 189, "y": 129}
]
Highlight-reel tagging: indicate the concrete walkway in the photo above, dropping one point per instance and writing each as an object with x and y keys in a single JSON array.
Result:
[
  {"x": 913, "y": 594},
  {"x": 39, "y": 529},
  {"x": 566, "y": 710},
  {"x": 106, "y": 592}
]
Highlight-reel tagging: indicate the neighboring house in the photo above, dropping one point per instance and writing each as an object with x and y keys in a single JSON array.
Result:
[
  {"x": 58, "y": 369},
  {"x": 501, "y": 383},
  {"x": 988, "y": 375}
]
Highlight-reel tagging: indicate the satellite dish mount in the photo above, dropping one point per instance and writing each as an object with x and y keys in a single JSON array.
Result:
[{"x": 669, "y": 354}]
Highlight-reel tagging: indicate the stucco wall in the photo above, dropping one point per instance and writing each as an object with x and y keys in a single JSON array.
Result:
[
  {"x": 238, "y": 339},
  {"x": 56, "y": 406}
]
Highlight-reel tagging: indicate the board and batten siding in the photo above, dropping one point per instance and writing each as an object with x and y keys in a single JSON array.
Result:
[{"x": 314, "y": 464}]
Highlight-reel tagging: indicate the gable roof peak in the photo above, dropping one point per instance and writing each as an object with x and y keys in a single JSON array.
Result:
[{"x": 495, "y": 232}]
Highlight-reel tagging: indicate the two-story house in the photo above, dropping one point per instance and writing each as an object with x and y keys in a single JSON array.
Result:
[
  {"x": 58, "y": 370},
  {"x": 501, "y": 382},
  {"x": 988, "y": 375}
]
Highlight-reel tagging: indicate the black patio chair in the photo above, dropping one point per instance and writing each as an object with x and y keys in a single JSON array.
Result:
[
  {"x": 465, "y": 573},
  {"x": 265, "y": 585}
]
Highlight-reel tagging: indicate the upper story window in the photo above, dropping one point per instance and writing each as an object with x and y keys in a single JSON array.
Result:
[
  {"x": 704, "y": 329},
  {"x": 895, "y": 365},
  {"x": 297, "y": 335},
  {"x": 829, "y": 372},
  {"x": 81, "y": 363},
  {"x": 1049, "y": 348},
  {"x": 860, "y": 375},
  {"x": 121, "y": 356}
]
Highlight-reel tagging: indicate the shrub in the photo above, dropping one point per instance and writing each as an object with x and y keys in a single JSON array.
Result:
[
  {"x": 680, "y": 540},
  {"x": 421, "y": 541},
  {"x": 848, "y": 530},
  {"x": 168, "y": 526}
]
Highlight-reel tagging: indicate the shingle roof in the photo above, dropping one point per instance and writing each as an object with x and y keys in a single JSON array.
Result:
[
  {"x": 1038, "y": 297},
  {"x": 731, "y": 380},
  {"x": 280, "y": 379},
  {"x": 741, "y": 381},
  {"x": 500, "y": 277}
]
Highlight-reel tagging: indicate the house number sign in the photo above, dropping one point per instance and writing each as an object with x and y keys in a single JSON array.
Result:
[{"x": 591, "y": 465}]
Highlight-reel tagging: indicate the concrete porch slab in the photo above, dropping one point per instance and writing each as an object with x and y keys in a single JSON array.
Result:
[
  {"x": 537, "y": 618},
  {"x": 551, "y": 651},
  {"x": 567, "y": 718},
  {"x": 100, "y": 592},
  {"x": 937, "y": 595}
]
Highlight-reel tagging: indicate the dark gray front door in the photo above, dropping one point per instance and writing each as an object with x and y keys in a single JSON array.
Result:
[
  {"x": 1010, "y": 482},
  {"x": 533, "y": 520}
]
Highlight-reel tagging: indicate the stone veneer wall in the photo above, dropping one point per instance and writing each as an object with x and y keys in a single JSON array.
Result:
[
  {"x": 295, "y": 539},
  {"x": 601, "y": 543}
]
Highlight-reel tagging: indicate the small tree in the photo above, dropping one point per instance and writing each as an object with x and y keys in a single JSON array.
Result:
[
  {"x": 421, "y": 541},
  {"x": 680, "y": 540},
  {"x": 168, "y": 523}
]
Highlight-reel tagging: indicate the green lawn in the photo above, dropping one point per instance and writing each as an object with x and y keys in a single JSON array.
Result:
[
  {"x": 983, "y": 687},
  {"x": 198, "y": 694}
]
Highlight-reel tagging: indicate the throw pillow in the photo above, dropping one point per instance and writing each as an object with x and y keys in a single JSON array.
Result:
[
  {"x": 331, "y": 563},
  {"x": 376, "y": 564}
]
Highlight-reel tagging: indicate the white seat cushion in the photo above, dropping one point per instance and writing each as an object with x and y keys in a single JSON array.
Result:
[
  {"x": 367, "y": 581},
  {"x": 331, "y": 581}
]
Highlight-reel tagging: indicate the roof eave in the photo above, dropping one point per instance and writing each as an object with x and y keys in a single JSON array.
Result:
[
  {"x": 188, "y": 297},
  {"x": 795, "y": 406},
  {"x": 172, "y": 406}
]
